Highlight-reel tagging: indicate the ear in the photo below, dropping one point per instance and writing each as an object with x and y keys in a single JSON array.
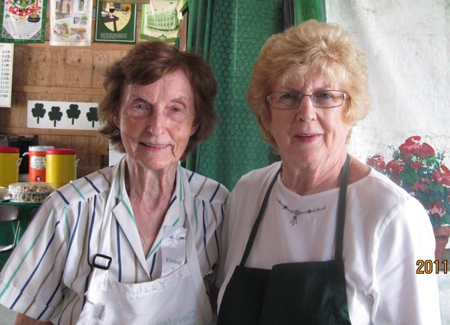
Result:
[
  {"x": 194, "y": 129},
  {"x": 265, "y": 121},
  {"x": 116, "y": 121},
  {"x": 349, "y": 135}
]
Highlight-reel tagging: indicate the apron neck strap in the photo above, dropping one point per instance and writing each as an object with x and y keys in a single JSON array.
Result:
[
  {"x": 340, "y": 214},
  {"x": 251, "y": 239},
  {"x": 341, "y": 210}
]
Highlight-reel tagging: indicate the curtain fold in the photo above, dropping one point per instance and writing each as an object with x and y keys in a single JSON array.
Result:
[
  {"x": 309, "y": 9},
  {"x": 289, "y": 16}
]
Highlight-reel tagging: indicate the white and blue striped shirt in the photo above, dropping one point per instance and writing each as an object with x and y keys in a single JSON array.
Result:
[{"x": 48, "y": 273}]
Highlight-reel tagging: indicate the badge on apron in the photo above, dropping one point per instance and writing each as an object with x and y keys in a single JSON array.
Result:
[{"x": 173, "y": 249}]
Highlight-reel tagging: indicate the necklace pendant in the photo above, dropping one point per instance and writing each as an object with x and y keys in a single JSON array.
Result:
[
  {"x": 294, "y": 220},
  {"x": 296, "y": 212}
]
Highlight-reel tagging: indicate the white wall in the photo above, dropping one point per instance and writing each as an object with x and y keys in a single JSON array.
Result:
[{"x": 406, "y": 43}]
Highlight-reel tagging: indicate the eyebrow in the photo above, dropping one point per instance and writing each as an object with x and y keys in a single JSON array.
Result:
[
  {"x": 139, "y": 96},
  {"x": 180, "y": 99},
  {"x": 292, "y": 89}
]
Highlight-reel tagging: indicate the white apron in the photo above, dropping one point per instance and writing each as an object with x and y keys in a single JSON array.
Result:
[{"x": 178, "y": 298}]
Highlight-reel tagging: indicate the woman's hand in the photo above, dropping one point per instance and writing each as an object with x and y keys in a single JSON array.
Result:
[{"x": 25, "y": 320}]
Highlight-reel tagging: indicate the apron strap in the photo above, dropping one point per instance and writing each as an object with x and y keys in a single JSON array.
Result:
[
  {"x": 187, "y": 207},
  {"x": 340, "y": 214},
  {"x": 102, "y": 261},
  {"x": 341, "y": 210},
  {"x": 251, "y": 239}
]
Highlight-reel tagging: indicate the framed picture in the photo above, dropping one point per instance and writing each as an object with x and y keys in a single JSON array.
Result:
[
  {"x": 23, "y": 21},
  {"x": 115, "y": 22},
  {"x": 70, "y": 22},
  {"x": 161, "y": 20},
  {"x": 132, "y": 1}
]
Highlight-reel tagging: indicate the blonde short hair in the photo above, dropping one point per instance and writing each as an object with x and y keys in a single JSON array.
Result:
[{"x": 310, "y": 47}]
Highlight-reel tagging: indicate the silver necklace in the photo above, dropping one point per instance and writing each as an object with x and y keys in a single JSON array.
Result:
[{"x": 297, "y": 212}]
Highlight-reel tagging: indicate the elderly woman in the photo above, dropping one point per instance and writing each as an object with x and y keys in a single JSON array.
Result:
[
  {"x": 320, "y": 238},
  {"x": 130, "y": 244}
]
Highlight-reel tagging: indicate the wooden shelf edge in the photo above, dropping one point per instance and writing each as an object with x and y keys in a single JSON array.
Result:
[
  {"x": 31, "y": 131},
  {"x": 94, "y": 46},
  {"x": 58, "y": 90}
]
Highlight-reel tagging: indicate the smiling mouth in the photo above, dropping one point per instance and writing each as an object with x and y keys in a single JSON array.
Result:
[{"x": 156, "y": 146}]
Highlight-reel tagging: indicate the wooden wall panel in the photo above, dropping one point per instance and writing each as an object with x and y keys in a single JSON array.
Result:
[
  {"x": 101, "y": 60},
  {"x": 71, "y": 67},
  {"x": 31, "y": 66}
]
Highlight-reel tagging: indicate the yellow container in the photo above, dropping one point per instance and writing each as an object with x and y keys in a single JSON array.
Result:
[
  {"x": 61, "y": 166},
  {"x": 9, "y": 165}
]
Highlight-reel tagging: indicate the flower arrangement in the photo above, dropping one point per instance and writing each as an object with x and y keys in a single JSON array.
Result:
[{"x": 420, "y": 171}]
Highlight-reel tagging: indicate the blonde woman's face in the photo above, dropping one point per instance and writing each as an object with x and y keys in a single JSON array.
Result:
[{"x": 308, "y": 135}]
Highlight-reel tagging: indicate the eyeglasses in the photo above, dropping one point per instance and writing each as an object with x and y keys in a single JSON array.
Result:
[{"x": 319, "y": 98}]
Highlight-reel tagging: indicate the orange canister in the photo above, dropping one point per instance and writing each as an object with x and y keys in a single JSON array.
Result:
[
  {"x": 9, "y": 165},
  {"x": 36, "y": 166},
  {"x": 61, "y": 166}
]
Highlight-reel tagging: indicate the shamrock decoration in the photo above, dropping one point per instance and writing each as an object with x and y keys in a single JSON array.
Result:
[
  {"x": 92, "y": 115},
  {"x": 55, "y": 114},
  {"x": 73, "y": 112},
  {"x": 38, "y": 111}
]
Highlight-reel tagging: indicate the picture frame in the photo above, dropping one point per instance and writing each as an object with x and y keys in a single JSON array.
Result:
[{"x": 115, "y": 22}]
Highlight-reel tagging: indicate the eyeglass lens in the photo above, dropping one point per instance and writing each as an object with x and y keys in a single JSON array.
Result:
[{"x": 320, "y": 98}]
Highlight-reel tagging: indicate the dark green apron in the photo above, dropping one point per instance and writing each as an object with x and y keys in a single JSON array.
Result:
[{"x": 291, "y": 293}]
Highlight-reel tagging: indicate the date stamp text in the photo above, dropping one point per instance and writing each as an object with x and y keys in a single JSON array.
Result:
[{"x": 429, "y": 266}]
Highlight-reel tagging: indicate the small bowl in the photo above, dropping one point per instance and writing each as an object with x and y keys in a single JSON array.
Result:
[{"x": 31, "y": 192}]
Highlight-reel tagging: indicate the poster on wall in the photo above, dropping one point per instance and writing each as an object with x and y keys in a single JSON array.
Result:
[
  {"x": 161, "y": 20},
  {"x": 62, "y": 115},
  {"x": 6, "y": 71},
  {"x": 115, "y": 22},
  {"x": 23, "y": 21},
  {"x": 132, "y": 1},
  {"x": 70, "y": 22}
]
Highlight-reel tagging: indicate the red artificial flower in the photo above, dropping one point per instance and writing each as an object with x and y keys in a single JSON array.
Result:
[
  {"x": 417, "y": 165},
  {"x": 413, "y": 146},
  {"x": 436, "y": 209},
  {"x": 419, "y": 187},
  {"x": 394, "y": 167},
  {"x": 376, "y": 162},
  {"x": 426, "y": 151},
  {"x": 442, "y": 176},
  {"x": 426, "y": 180}
]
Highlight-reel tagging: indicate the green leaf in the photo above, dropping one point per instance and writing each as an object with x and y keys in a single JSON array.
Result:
[{"x": 409, "y": 176}]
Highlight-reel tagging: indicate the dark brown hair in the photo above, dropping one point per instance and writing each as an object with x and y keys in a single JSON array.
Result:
[{"x": 146, "y": 63}]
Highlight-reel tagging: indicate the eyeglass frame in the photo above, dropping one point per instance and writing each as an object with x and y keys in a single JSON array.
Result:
[{"x": 346, "y": 96}]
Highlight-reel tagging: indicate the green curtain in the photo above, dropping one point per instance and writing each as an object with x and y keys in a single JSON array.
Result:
[
  {"x": 309, "y": 9},
  {"x": 229, "y": 34}
]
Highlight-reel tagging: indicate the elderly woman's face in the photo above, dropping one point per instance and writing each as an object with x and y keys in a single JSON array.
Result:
[
  {"x": 156, "y": 120},
  {"x": 308, "y": 135}
]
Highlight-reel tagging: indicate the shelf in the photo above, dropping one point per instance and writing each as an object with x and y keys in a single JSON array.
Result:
[
  {"x": 93, "y": 46},
  {"x": 59, "y": 90},
  {"x": 28, "y": 131}
]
